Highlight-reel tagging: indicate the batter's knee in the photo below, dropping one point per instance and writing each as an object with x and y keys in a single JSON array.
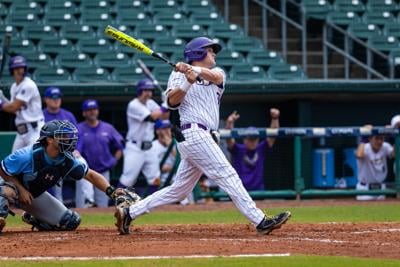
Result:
[{"x": 70, "y": 221}]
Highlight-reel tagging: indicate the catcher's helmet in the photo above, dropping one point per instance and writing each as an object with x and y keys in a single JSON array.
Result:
[
  {"x": 64, "y": 132},
  {"x": 17, "y": 62},
  {"x": 195, "y": 50},
  {"x": 144, "y": 84}
]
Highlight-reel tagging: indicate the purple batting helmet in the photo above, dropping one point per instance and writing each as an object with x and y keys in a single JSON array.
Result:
[
  {"x": 195, "y": 50},
  {"x": 17, "y": 62},
  {"x": 144, "y": 84}
]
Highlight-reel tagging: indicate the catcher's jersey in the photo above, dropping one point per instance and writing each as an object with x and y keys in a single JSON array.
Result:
[
  {"x": 202, "y": 101},
  {"x": 27, "y": 92},
  {"x": 138, "y": 129}
]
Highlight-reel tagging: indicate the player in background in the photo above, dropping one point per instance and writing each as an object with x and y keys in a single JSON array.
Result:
[
  {"x": 198, "y": 104},
  {"x": 26, "y": 174},
  {"x": 25, "y": 103},
  {"x": 54, "y": 111},
  {"x": 101, "y": 145},
  {"x": 248, "y": 158},
  {"x": 141, "y": 114}
]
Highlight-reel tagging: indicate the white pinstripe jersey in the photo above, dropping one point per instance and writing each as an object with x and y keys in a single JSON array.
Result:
[{"x": 202, "y": 101}]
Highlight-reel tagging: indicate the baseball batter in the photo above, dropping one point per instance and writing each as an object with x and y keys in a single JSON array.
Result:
[
  {"x": 26, "y": 174},
  {"x": 198, "y": 104},
  {"x": 25, "y": 103},
  {"x": 141, "y": 114}
]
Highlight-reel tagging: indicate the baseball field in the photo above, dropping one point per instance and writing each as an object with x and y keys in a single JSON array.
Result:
[{"x": 320, "y": 233}]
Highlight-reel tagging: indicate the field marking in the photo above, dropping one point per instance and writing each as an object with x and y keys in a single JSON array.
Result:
[
  {"x": 144, "y": 257},
  {"x": 387, "y": 230}
]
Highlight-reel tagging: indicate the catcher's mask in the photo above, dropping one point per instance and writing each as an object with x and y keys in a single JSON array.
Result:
[{"x": 64, "y": 132}]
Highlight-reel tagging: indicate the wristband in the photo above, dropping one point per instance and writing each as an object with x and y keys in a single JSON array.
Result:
[
  {"x": 110, "y": 190},
  {"x": 164, "y": 109},
  {"x": 185, "y": 86},
  {"x": 197, "y": 70}
]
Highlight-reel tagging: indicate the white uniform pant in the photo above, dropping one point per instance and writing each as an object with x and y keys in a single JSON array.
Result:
[
  {"x": 28, "y": 138},
  {"x": 136, "y": 160},
  {"x": 200, "y": 154},
  {"x": 87, "y": 191},
  {"x": 359, "y": 186}
]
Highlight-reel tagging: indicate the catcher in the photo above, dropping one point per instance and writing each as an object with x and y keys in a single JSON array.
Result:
[{"x": 27, "y": 173}]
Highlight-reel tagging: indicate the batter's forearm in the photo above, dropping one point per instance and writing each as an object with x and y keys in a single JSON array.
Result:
[
  {"x": 213, "y": 76},
  {"x": 175, "y": 97}
]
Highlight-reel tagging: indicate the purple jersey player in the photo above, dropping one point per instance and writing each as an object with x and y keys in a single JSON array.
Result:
[
  {"x": 101, "y": 145},
  {"x": 248, "y": 158}
]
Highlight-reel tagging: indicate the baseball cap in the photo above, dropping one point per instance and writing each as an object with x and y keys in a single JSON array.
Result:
[
  {"x": 162, "y": 124},
  {"x": 251, "y": 132},
  {"x": 395, "y": 121},
  {"x": 53, "y": 92},
  {"x": 90, "y": 104}
]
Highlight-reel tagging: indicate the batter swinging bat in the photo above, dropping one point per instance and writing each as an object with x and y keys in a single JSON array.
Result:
[
  {"x": 135, "y": 44},
  {"x": 149, "y": 75}
]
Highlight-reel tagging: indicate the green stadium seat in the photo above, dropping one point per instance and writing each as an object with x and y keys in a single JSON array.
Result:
[
  {"x": 73, "y": 60},
  {"x": 343, "y": 18},
  {"x": 22, "y": 46},
  {"x": 318, "y": 9},
  {"x": 91, "y": 75},
  {"x": 168, "y": 45},
  {"x": 127, "y": 75},
  {"x": 264, "y": 58},
  {"x": 378, "y": 17},
  {"x": 95, "y": 19},
  {"x": 195, "y": 6},
  {"x": 188, "y": 31},
  {"x": 392, "y": 29},
  {"x": 151, "y": 31},
  {"x": 8, "y": 29},
  {"x": 206, "y": 19},
  {"x": 55, "y": 46},
  {"x": 94, "y": 46},
  {"x": 149, "y": 61},
  {"x": 286, "y": 72},
  {"x": 21, "y": 20},
  {"x": 66, "y": 7},
  {"x": 59, "y": 19},
  {"x": 112, "y": 60},
  {"x": 131, "y": 6},
  {"x": 38, "y": 32},
  {"x": 229, "y": 58},
  {"x": 132, "y": 19},
  {"x": 155, "y": 6},
  {"x": 38, "y": 60},
  {"x": 178, "y": 56},
  {"x": 98, "y": 6},
  {"x": 246, "y": 72},
  {"x": 225, "y": 31},
  {"x": 364, "y": 30},
  {"x": 244, "y": 44},
  {"x": 162, "y": 72},
  {"x": 395, "y": 55},
  {"x": 169, "y": 19},
  {"x": 52, "y": 75},
  {"x": 382, "y": 5},
  {"x": 24, "y": 8},
  {"x": 77, "y": 32},
  {"x": 384, "y": 43},
  {"x": 3, "y": 11},
  {"x": 349, "y": 6}
]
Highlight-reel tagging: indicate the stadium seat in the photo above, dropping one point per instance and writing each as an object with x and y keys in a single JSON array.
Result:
[
  {"x": 384, "y": 43},
  {"x": 38, "y": 32},
  {"x": 94, "y": 46},
  {"x": 225, "y": 30},
  {"x": 286, "y": 72},
  {"x": 228, "y": 58},
  {"x": 112, "y": 60},
  {"x": 38, "y": 60},
  {"x": 169, "y": 45},
  {"x": 395, "y": 55},
  {"x": 149, "y": 61},
  {"x": 130, "y": 6},
  {"x": 382, "y": 5},
  {"x": 96, "y": 19},
  {"x": 206, "y": 19},
  {"x": 355, "y": 6},
  {"x": 128, "y": 75},
  {"x": 264, "y": 58},
  {"x": 169, "y": 19},
  {"x": 244, "y": 44},
  {"x": 130, "y": 19},
  {"x": 155, "y": 6},
  {"x": 392, "y": 29},
  {"x": 343, "y": 18},
  {"x": 73, "y": 60},
  {"x": 22, "y": 46},
  {"x": 91, "y": 75},
  {"x": 317, "y": 8},
  {"x": 55, "y": 46},
  {"x": 24, "y": 8},
  {"x": 194, "y": 6},
  {"x": 162, "y": 72},
  {"x": 151, "y": 31},
  {"x": 62, "y": 7},
  {"x": 20, "y": 19},
  {"x": 364, "y": 30},
  {"x": 378, "y": 17},
  {"x": 246, "y": 72},
  {"x": 52, "y": 75},
  {"x": 3, "y": 11},
  {"x": 97, "y": 6},
  {"x": 8, "y": 29},
  {"x": 188, "y": 31},
  {"x": 59, "y": 19},
  {"x": 77, "y": 32}
]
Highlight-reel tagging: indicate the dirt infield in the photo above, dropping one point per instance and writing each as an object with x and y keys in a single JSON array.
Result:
[{"x": 373, "y": 240}]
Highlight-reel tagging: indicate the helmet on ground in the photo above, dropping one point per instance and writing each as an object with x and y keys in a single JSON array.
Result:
[
  {"x": 144, "y": 84},
  {"x": 196, "y": 49},
  {"x": 17, "y": 62},
  {"x": 64, "y": 132}
]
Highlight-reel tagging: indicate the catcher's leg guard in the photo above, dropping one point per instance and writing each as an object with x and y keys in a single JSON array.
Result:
[
  {"x": 8, "y": 194},
  {"x": 69, "y": 222}
]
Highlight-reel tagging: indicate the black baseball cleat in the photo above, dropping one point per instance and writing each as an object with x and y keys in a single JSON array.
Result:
[
  {"x": 123, "y": 220},
  {"x": 268, "y": 224}
]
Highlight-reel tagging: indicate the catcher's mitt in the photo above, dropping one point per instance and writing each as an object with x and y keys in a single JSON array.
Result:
[{"x": 126, "y": 197}]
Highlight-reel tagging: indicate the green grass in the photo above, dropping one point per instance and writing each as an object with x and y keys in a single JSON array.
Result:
[
  {"x": 348, "y": 213},
  {"x": 298, "y": 261}
]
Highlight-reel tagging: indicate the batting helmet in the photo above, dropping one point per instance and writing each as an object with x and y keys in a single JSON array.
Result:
[
  {"x": 65, "y": 132},
  {"x": 195, "y": 50},
  {"x": 17, "y": 62},
  {"x": 144, "y": 84}
]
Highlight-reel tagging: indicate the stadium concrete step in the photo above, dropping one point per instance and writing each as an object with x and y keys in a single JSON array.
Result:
[{"x": 316, "y": 71}]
